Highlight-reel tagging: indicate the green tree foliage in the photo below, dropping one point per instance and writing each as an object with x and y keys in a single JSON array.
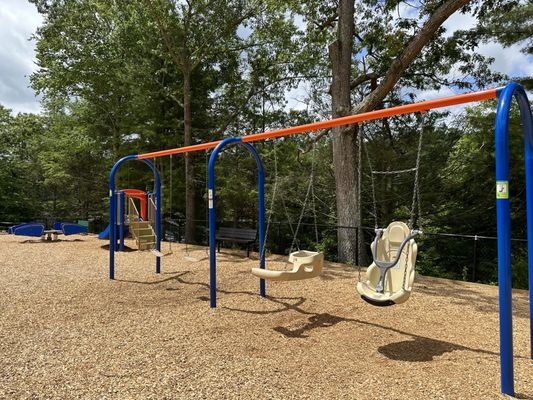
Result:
[
  {"x": 19, "y": 169},
  {"x": 127, "y": 77},
  {"x": 382, "y": 53},
  {"x": 508, "y": 24},
  {"x": 149, "y": 71},
  {"x": 51, "y": 167},
  {"x": 467, "y": 203}
]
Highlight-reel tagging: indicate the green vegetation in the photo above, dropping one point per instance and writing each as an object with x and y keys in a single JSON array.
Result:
[{"x": 127, "y": 77}]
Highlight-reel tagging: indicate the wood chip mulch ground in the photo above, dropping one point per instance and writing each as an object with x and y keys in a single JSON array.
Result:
[{"x": 68, "y": 332}]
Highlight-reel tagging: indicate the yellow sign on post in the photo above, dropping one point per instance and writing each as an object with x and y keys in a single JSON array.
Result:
[{"x": 502, "y": 189}]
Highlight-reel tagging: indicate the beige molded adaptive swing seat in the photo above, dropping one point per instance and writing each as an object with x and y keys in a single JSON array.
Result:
[
  {"x": 398, "y": 281},
  {"x": 306, "y": 264}
]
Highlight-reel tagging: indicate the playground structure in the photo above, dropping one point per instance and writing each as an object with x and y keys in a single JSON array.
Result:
[
  {"x": 38, "y": 230},
  {"x": 146, "y": 225},
  {"x": 504, "y": 96},
  {"x": 139, "y": 221}
]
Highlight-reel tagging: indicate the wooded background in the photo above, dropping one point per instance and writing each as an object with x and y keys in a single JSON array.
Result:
[{"x": 132, "y": 76}]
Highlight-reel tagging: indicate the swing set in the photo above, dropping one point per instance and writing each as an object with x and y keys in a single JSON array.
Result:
[{"x": 393, "y": 246}]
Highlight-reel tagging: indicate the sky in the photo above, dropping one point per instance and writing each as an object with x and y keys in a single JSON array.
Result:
[{"x": 19, "y": 20}]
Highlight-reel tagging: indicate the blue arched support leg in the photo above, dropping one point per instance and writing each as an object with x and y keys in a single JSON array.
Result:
[
  {"x": 212, "y": 215},
  {"x": 113, "y": 236},
  {"x": 504, "y": 222}
]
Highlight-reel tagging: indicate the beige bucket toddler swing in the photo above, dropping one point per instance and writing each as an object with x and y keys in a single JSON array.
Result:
[{"x": 389, "y": 279}]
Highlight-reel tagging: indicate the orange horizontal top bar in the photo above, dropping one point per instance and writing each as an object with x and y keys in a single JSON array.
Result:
[
  {"x": 178, "y": 150},
  {"x": 350, "y": 119}
]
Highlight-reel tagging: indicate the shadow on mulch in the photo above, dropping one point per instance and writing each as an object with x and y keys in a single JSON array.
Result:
[
  {"x": 462, "y": 295},
  {"x": 423, "y": 349},
  {"x": 417, "y": 349},
  {"x": 126, "y": 248},
  {"x": 194, "y": 259},
  {"x": 324, "y": 320},
  {"x": 286, "y": 306},
  {"x": 234, "y": 258},
  {"x": 35, "y": 241},
  {"x": 170, "y": 278}
]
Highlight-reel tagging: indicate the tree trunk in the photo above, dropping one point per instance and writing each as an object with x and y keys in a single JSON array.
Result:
[
  {"x": 345, "y": 138},
  {"x": 190, "y": 206},
  {"x": 345, "y": 148}
]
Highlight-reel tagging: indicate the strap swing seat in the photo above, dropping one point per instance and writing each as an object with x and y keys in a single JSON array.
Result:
[
  {"x": 306, "y": 265},
  {"x": 387, "y": 283}
]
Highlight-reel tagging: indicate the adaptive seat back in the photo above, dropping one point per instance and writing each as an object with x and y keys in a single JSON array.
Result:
[{"x": 387, "y": 249}]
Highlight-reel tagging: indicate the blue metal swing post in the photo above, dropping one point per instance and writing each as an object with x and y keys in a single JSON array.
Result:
[
  {"x": 212, "y": 215},
  {"x": 503, "y": 216}
]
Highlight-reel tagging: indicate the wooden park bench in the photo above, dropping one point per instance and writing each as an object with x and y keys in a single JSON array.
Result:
[{"x": 237, "y": 235}]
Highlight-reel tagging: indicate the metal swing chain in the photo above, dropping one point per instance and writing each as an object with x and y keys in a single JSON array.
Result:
[
  {"x": 187, "y": 252},
  {"x": 395, "y": 172},
  {"x": 416, "y": 194},
  {"x": 313, "y": 203},
  {"x": 416, "y": 187},
  {"x": 372, "y": 184},
  {"x": 359, "y": 178},
  {"x": 207, "y": 156},
  {"x": 359, "y": 232},
  {"x": 170, "y": 198},
  {"x": 311, "y": 182},
  {"x": 272, "y": 200},
  {"x": 154, "y": 161},
  {"x": 362, "y": 146},
  {"x": 289, "y": 221},
  {"x": 408, "y": 247}
]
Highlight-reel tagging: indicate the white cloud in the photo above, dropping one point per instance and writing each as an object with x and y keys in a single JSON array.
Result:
[
  {"x": 507, "y": 60},
  {"x": 244, "y": 32},
  {"x": 297, "y": 98},
  {"x": 438, "y": 94},
  {"x": 18, "y": 21},
  {"x": 459, "y": 21},
  {"x": 405, "y": 10}
]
